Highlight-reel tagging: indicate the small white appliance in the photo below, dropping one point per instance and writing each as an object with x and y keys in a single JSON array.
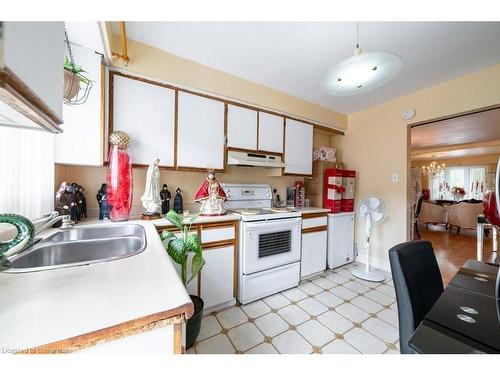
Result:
[
  {"x": 269, "y": 242},
  {"x": 340, "y": 239},
  {"x": 374, "y": 211},
  {"x": 254, "y": 159}
]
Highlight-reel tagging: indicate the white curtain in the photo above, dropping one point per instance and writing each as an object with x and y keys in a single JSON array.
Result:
[{"x": 26, "y": 171}]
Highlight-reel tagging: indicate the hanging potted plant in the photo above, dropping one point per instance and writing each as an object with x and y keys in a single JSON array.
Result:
[
  {"x": 179, "y": 247},
  {"x": 76, "y": 85}
]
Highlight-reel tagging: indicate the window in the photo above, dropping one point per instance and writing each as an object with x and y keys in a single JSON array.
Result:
[
  {"x": 471, "y": 178},
  {"x": 27, "y": 171}
]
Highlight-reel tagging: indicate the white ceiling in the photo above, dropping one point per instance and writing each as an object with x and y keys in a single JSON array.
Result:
[
  {"x": 461, "y": 153},
  {"x": 294, "y": 56}
]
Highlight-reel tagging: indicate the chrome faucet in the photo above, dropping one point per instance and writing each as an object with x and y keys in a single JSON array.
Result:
[{"x": 53, "y": 218}]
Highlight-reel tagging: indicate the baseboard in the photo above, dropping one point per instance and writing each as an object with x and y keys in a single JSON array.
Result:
[{"x": 381, "y": 264}]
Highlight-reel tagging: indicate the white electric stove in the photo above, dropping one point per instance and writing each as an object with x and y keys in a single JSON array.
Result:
[{"x": 269, "y": 242}]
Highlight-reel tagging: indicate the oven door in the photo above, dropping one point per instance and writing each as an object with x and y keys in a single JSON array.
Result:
[{"x": 269, "y": 244}]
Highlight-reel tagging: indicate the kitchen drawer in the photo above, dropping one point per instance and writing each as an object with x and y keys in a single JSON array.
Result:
[
  {"x": 315, "y": 222},
  {"x": 215, "y": 234}
]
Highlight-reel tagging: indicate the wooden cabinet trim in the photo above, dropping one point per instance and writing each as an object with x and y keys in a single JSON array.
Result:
[
  {"x": 217, "y": 244},
  {"x": 20, "y": 97},
  {"x": 323, "y": 228},
  {"x": 314, "y": 215}
]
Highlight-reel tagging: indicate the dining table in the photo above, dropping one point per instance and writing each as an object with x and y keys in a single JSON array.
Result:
[{"x": 466, "y": 317}]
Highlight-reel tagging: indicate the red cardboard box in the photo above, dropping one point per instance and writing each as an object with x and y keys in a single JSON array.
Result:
[
  {"x": 348, "y": 183},
  {"x": 332, "y": 193}
]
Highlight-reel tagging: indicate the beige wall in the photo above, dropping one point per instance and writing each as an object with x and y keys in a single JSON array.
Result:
[
  {"x": 376, "y": 145},
  {"x": 155, "y": 63}
]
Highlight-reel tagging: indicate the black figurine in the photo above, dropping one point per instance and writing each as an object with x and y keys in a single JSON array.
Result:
[
  {"x": 178, "y": 201},
  {"x": 81, "y": 204},
  {"x": 102, "y": 199},
  {"x": 165, "y": 199},
  {"x": 70, "y": 200},
  {"x": 62, "y": 204}
]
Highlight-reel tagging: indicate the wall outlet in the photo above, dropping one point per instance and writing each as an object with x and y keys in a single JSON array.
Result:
[{"x": 395, "y": 177}]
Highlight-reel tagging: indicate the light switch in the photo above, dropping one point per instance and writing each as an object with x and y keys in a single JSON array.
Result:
[{"x": 395, "y": 177}]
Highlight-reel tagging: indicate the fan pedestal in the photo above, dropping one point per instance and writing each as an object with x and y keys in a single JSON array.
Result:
[{"x": 367, "y": 274}]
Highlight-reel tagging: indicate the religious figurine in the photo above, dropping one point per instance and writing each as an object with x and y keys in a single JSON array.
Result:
[
  {"x": 81, "y": 203},
  {"x": 165, "y": 199},
  {"x": 102, "y": 199},
  {"x": 178, "y": 201},
  {"x": 151, "y": 197},
  {"x": 211, "y": 196},
  {"x": 61, "y": 204},
  {"x": 69, "y": 199}
]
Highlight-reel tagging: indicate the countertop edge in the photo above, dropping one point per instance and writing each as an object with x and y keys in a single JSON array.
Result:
[{"x": 115, "y": 332}]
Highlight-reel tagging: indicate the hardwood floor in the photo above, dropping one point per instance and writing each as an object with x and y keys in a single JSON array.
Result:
[{"x": 452, "y": 249}]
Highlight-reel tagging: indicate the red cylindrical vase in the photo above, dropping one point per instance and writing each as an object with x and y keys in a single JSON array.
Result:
[{"x": 119, "y": 181}]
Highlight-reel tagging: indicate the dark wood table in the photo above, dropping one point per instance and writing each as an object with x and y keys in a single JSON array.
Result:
[{"x": 466, "y": 317}]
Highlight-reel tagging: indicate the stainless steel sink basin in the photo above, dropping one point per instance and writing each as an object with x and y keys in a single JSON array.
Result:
[{"x": 81, "y": 246}]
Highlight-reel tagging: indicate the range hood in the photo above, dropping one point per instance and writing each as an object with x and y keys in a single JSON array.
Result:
[{"x": 254, "y": 159}]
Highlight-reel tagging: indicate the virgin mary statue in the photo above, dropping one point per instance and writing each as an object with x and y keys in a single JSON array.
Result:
[{"x": 151, "y": 197}]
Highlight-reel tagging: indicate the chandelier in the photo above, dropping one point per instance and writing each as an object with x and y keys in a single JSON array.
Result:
[{"x": 434, "y": 169}]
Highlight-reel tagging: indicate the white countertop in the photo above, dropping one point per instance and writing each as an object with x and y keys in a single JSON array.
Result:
[
  {"x": 312, "y": 210},
  {"x": 43, "y": 307}
]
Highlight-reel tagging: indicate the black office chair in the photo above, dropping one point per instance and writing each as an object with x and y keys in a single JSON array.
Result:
[{"x": 418, "y": 285}]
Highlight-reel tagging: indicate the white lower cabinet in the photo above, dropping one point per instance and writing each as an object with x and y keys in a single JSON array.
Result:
[
  {"x": 313, "y": 258},
  {"x": 340, "y": 239},
  {"x": 217, "y": 276}
]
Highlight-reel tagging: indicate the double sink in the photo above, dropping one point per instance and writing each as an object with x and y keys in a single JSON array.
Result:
[{"x": 81, "y": 246}]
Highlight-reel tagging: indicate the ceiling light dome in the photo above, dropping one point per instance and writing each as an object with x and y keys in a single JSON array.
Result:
[{"x": 361, "y": 72}]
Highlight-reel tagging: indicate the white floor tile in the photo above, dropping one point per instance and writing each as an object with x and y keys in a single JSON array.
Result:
[
  {"x": 367, "y": 304},
  {"x": 276, "y": 301},
  {"x": 271, "y": 324},
  {"x": 219, "y": 344},
  {"x": 346, "y": 272},
  {"x": 381, "y": 329},
  {"x": 335, "y": 322},
  {"x": 312, "y": 306},
  {"x": 293, "y": 315},
  {"x": 394, "y": 306},
  {"x": 264, "y": 348},
  {"x": 315, "y": 333},
  {"x": 387, "y": 289},
  {"x": 344, "y": 293},
  {"x": 231, "y": 317},
  {"x": 329, "y": 299},
  {"x": 310, "y": 288},
  {"x": 381, "y": 298},
  {"x": 294, "y": 294},
  {"x": 364, "y": 342},
  {"x": 245, "y": 336},
  {"x": 290, "y": 342},
  {"x": 356, "y": 287},
  {"x": 351, "y": 312},
  {"x": 392, "y": 351},
  {"x": 338, "y": 346},
  {"x": 324, "y": 283},
  {"x": 336, "y": 278},
  {"x": 255, "y": 309},
  {"x": 209, "y": 327},
  {"x": 389, "y": 316}
]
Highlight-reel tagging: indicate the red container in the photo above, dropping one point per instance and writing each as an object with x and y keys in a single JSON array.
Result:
[
  {"x": 119, "y": 183},
  {"x": 348, "y": 183},
  {"x": 332, "y": 193}
]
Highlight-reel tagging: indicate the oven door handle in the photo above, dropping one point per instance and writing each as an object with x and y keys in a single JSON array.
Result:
[{"x": 285, "y": 223}]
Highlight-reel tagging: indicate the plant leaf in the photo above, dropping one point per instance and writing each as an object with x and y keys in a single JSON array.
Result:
[
  {"x": 177, "y": 250},
  {"x": 166, "y": 237},
  {"x": 175, "y": 219},
  {"x": 191, "y": 221},
  {"x": 196, "y": 265},
  {"x": 193, "y": 243}
]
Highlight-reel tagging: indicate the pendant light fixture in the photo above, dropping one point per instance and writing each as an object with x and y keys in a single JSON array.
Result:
[{"x": 361, "y": 72}]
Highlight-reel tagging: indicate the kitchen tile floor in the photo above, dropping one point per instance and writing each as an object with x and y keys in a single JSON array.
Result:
[{"x": 334, "y": 313}]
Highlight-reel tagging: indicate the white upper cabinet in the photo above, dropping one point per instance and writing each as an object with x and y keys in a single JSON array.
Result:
[
  {"x": 298, "y": 148},
  {"x": 241, "y": 128},
  {"x": 270, "y": 132},
  {"x": 200, "y": 137},
  {"x": 81, "y": 141},
  {"x": 31, "y": 70},
  {"x": 146, "y": 112}
]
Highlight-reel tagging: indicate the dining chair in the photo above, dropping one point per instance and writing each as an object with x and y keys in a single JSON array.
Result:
[{"x": 418, "y": 284}]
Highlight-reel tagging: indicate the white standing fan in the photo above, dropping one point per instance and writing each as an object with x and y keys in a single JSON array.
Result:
[{"x": 374, "y": 211}]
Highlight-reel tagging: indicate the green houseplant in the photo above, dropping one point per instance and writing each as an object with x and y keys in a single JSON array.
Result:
[
  {"x": 180, "y": 247},
  {"x": 73, "y": 77}
]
